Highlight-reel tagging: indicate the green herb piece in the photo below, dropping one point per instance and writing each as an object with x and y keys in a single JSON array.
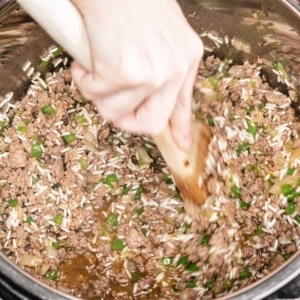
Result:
[
  {"x": 2, "y": 125},
  {"x": 169, "y": 181},
  {"x": 144, "y": 231},
  {"x": 279, "y": 67},
  {"x": 297, "y": 218},
  {"x": 183, "y": 260},
  {"x": 214, "y": 82},
  {"x": 175, "y": 288},
  {"x": 186, "y": 226},
  {"x": 48, "y": 110},
  {"x": 192, "y": 267},
  {"x": 190, "y": 285},
  {"x": 125, "y": 190},
  {"x": 291, "y": 198},
  {"x": 139, "y": 211},
  {"x": 29, "y": 220},
  {"x": 245, "y": 274},
  {"x": 135, "y": 276},
  {"x": 82, "y": 163},
  {"x": 113, "y": 220},
  {"x": 109, "y": 179},
  {"x": 290, "y": 171},
  {"x": 258, "y": 232},
  {"x": 13, "y": 202},
  {"x": 287, "y": 256},
  {"x": 167, "y": 261},
  {"x": 22, "y": 128},
  {"x": 81, "y": 120},
  {"x": 261, "y": 106},
  {"x": 287, "y": 189},
  {"x": 209, "y": 285},
  {"x": 256, "y": 169},
  {"x": 244, "y": 205},
  {"x": 58, "y": 219},
  {"x": 118, "y": 244},
  {"x": 138, "y": 193},
  {"x": 57, "y": 52},
  {"x": 205, "y": 240},
  {"x": 236, "y": 192},
  {"x": 44, "y": 63},
  {"x": 180, "y": 209},
  {"x": 298, "y": 182},
  {"x": 210, "y": 121},
  {"x": 69, "y": 138},
  {"x": 228, "y": 284},
  {"x": 290, "y": 209},
  {"x": 52, "y": 275},
  {"x": 177, "y": 196},
  {"x": 242, "y": 148},
  {"x": 36, "y": 150},
  {"x": 234, "y": 117},
  {"x": 252, "y": 127},
  {"x": 249, "y": 109},
  {"x": 56, "y": 245},
  {"x": 272, "y": 179}
]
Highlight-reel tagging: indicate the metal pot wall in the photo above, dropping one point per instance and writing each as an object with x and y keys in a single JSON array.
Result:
[{"x": 268, "y": 29}]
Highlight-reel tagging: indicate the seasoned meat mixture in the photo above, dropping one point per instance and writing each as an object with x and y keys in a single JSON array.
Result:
[{"x": 93, "y": 211}]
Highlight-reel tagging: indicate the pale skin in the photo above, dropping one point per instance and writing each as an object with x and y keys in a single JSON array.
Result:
[{"x": 145, "y": 58}]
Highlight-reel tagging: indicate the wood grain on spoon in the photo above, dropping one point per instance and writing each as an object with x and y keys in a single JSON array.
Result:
[{"x": 64, "y": 23}]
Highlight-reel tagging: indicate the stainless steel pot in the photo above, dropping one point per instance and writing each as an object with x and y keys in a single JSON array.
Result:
[{"x": 268, "y": 29}]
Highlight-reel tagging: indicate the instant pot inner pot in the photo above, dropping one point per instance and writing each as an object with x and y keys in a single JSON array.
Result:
[{"x": 244, "y": 30}]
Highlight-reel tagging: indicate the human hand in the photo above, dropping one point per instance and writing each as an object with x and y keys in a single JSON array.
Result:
[{"x": 145, "y": 58}]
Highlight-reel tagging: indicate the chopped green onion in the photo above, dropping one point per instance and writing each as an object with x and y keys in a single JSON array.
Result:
[
  {"x": 109, "y": 179},
  {"x": 113, "y": 220},
  {"x": 252, "y": 127},
  {"x": 82, "y": 163},
  {"x": 183, "y": 260},
  {"x": 36, "y": 151},
  {"x": 287, "y": 256},
  {"x": 258, "y": 231},
  {"x": 180, "y": 209},
  {"x": 56, "y": 245},
  {"x": 290, "y": 209},
  {"x": 244, "y": 205},
  {"x": 57, "y": 52},
  {"x": 205, "y": 239},
  {"x": 236, "y": 192},
  {"x": 209, "y": 285},
  {"x": 242, "y": 148},
  {"x": 13, "y": 202},
  {"x": 144, "y": 231},
  {"x": 29, "y": 220},
  {"x": 249, "y": 109},
  {"x": 22, "y": 128},
  {"x": 186, "y": 226},
  {"x": 2, "y": 125},
  {"x": 272, "y": 179},
  {"x": 52, "y": 275},
  {"x": 139, "y": 211},
  {"x": 135, "y": 276},
  {"x": 214, "y": 82},
  {"x": 290, "y": 171},
  {"x": 69, "y": 138},
  {"x": 261, "y": 106},
  {"x": 190, "y": 284},
  {"x": 210, "y": 121},
  {"x": 245, "y": 274},
  {"x": 256, "y": 169},
  {"x": 192, "y": 267},
  {"x": 58, "y": 219},
  {"x": 44, "y": 63},
  {"x": 297, "y": 218},
  {"x": 138, "y": 193},
  {"x": 125, "y": 190},
  {"x": 118, "y": 244},
  {"x": 298, "y": 182},
  {"x": 81, "y": 120},
  {"x": 234, "y": 117},
  {"x": 48, "y": 110},
  {"x": 167, "y": 261},
  {"x": 175, "y": 288},
  {"x": 287, "y": 189}
]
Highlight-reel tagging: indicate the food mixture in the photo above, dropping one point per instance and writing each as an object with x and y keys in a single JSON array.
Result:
[{"x": 93, "y": 211}]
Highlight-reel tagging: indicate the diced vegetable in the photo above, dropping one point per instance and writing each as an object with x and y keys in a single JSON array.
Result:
[
  {"x": 143, "y": 157},
  {"x": 258, "y": 231},
  {"x": 139, "y": 211},
  {"x": 209, "y": 285},
  {"x": 276, "y": 189},
  {"x": 138, "y": 193},
  {"x": 180, "y": 209},
  {"x": 290, "y": 209},
  {"x": 192, "y": 267},
  {"x": 22, "y": 128},
  {"x": 135, "y": 276},
  {"x": 109, "y": 179},
  {"x": 205, "y": 240},
  {"x": 52, "y": 275},
  {"x": 244, "y": 205},
  {"x": 58, "y": 219},
  {"x": 167, "y": 261},
  {"x": 183, "y": 260},
  {"x": 279, "y": 67},
  {"x": 13, "y": 202},
  {"x": 48, "y": 110},
  {"x": 69, "y": 138},
  {"x": 256, "y": 169},
  {"x": 82, "y": 163},
  {"x": 125, "y": 189},
  {"x": 297, "y": 218},
  {"x": 113, "y": 220},
  {"x": 287, "y": 189},
  {"x": 242, "y": 148},
  {"x": 252, "y": 127},
  {"x": 56, "y": 245},
  {"x": 175, "y": 288},
  {"x": 249, "y": 109},
  {"x": 236, "y": 192},
  {"x": 272, "y": 179},
  {"x": 210, "y": 121},
  {"x": 36, "y": 150},
  {"x": 186, "y": 226},
  {"x": 44, "y": 63},
  {"x": 29, "y": 220},
  {"x": 213, "y": 81},
  {"x": 245, "y": 274},
  {"x": 81, "y": 120},
  {"x": 291, "y": 171},
  {"x": 57, "y": 52},
  {"x": 261, "y": 106},
  {"x": 118, "y": 244},
  {"x": 191, "y": 284}
]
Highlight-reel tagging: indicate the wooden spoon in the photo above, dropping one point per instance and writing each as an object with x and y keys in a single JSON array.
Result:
[{"x": 65, "y": 25}]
